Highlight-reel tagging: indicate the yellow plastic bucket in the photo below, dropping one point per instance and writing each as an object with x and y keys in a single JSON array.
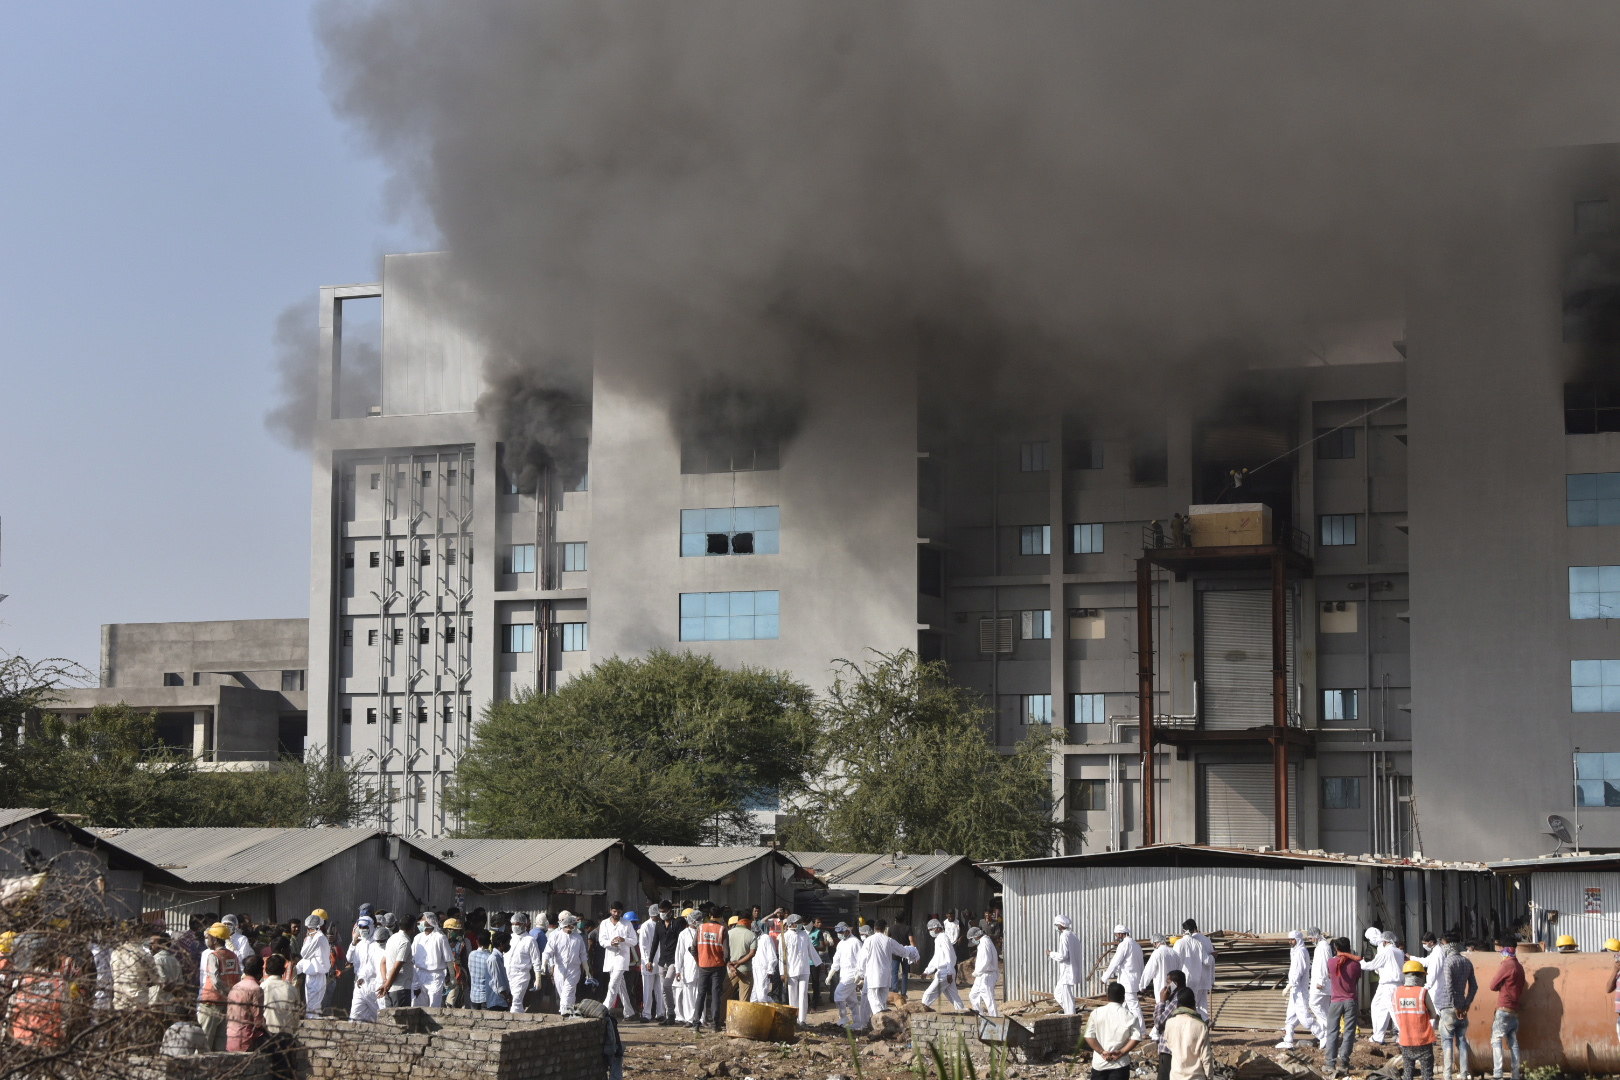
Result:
[
  {"x": 751, "y": 1020},
  {"x": 787, "y": 1023}
]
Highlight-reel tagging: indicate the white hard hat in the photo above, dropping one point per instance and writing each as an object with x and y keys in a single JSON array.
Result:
[{"x": 1061, "y": 920}]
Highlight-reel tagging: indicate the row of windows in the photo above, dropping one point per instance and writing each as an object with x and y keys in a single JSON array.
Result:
[
  {"x": 1338, "y": 793},
  {"x": 425, "y": 476},
  {"x": 519, "y": 637},
  {"x": 424, "y": 635},
  {"x": 447, "y": 714},
  {"x": 1337, "y": 705},
  {"x": 1084, "y": 539},
  {"x": 731, "y": 530},
  {"x": 520, "y": 557},
  {"x": 424, "y": 557}
]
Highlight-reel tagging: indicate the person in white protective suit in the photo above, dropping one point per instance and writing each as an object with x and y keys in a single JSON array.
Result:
[
  {"x": 685, "y": 988},
  {"x": 522, "y": 961},
  {"x": 314, "y": 962},
  {"x": 986, "y": 971},
  {"x": 953, "y": 929},
  {"x": 1067, "y": 955},
  {"x": 565, "y": 960},
  {"x": 365, "y": 957},
  {"x": 767, "y": 963},
  {"x": 1197, "y": 963},
  {"x": 1160, "y": 963},
  {"x": 942, "y": 966},
  {"x": 1386, "y": 964},
  {"x": 431, "y": 958},
  {"x": 652, "y": 975},
  {"x": 617, "y": 936},
  {"x": 846, "y": 969},
  {"x": 238, "y": 942},
  {"x": 878, "y": 969},
  {"x": 1321, "y": 993},
  {"x": 798, "y": 956},
  {"x": 1126, "y": 969},
  {"x": 1298, "y": 989}
]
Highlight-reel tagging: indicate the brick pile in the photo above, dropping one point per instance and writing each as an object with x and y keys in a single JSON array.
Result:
[
  {"x": 453, "y": 1044},
  {"x": 1030, "y": 1039}
]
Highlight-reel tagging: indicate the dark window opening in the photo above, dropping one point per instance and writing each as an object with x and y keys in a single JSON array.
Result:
[
  {"x": 399, "y": 636},
  {"x": 742, "y": 543},
  {"x": 1150, "y": 461},
  {"x": 1591, "y": 408},
  {"x": 450, "y": 631},
  {"x": 348, "y": 637},
  {"x": 371, "y": 716},
  {"x": 721, "y": 455},
  {"x": 290, "y": 734},
  {"x": 449, "y": 714},
  {"x": 421, "y": 714},
  {"x": 174, "y": 731},
  {"x": 393, "y": 715},
  {"x": 719, "y": 543},
  {"x": 1085, "y": 454},
  {"x": 1336, "y": 444},
  {"x": 399, "y": 557},
  {"x": 423, "y": 635},
  {"x": 173, "y": 678},
  {"x": 348, "y": 716},
  {"x": 930, "y": 571},
  {"x": 371, "y": 637},
  {"x": 292, "y": 680},
  {"x": 348, "y": 560},
  {"x": 374, "y": 559},
  {"x": 424, "y": 557}
]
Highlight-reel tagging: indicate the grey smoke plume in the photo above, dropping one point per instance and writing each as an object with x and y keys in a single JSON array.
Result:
[
  {"x": 1057, "y": 196},
  {"x": 298, "y": 346}
]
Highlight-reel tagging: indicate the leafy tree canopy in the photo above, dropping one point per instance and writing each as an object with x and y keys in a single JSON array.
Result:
[
  {"x": 908, "y": 763},
  {"x": 667, "y": 749}
]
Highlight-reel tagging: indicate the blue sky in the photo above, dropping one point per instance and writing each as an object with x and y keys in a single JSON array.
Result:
[{"x": 173, "y": 178}]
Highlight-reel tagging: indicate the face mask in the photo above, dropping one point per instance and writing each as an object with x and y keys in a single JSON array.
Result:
[{"x": 421, "y": 928}]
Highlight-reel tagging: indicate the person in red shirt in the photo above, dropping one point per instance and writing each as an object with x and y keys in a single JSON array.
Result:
[
  {"x": 1344, "y": 981},
  {"x": 1414, "y": 1022},
  {"x": 244, "y": 1009},
  {"x": 1509, "y": 987}
]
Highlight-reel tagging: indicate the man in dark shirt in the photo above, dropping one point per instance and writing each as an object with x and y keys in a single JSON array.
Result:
[
  {"x": 1509, "y": 987},
  {"x": 902, "y": 970},
  {"x": 1344, "y": 981}
]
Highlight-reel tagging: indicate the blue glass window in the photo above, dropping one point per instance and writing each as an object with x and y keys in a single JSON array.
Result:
[
  {"x": 731, "y": 530},
  {"x": 1592, "y": 498},
  {"x": 730, "y": 616},
  {"x": 1594, "y": 685},
  {"x": 1594, "y": 592}
]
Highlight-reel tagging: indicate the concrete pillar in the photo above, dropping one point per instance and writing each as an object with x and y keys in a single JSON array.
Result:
[{"x": 202, "y": 733}]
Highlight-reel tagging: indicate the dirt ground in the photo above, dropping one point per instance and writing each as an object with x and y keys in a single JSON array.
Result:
[{"x": 824, "y": 1052}]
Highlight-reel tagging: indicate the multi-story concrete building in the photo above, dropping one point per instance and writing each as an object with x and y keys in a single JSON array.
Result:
[
  {"x": 231, "y": 692},
  {"x": 1435, "y": 571}
]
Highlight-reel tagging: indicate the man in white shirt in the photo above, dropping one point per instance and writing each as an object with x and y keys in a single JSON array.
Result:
[
  {"x": 565, "y": 958},
  {"x": 653, "y": 1005},
  {"x": 1386, "y": 964},
  {"x": 942, "y": 966},
  {"x": 1321, "y": 993},
  {"x": 314, "y": 962},
  {"x": 366, "y": 959},
  {"x": 617, "y": 936},
  {"x": 846, "y": 968},
  {"x": 686, "y": 968},
  {"x": 878, "y": 970},
  {"x": 797, "y": 956},
  {"x": 986, "y": 971},
  {"x": 1198, "y": 963},
  {"x": 1069, "y": 961},
  {"x": 522, "y": 961},
  {"x": 1112, "y": 1032},
  {"x": 953, "y": 929},
  {"x": 1126, "y": 969},
  {"x": 767, "y": 962},
  {"x": 394, "y": 989},
  {"x": 238, "y": 942},
  {"x": 1160, "y": 963}
]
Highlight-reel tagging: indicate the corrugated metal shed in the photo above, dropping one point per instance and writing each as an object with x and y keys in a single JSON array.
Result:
[
  {"x": 877, "y": 875},
  {"x": 10, "y": 817},
  {"x": 528, "y": 862},
  {"x": 707, "y": 864},
  {"x": 235, "y": 856}
]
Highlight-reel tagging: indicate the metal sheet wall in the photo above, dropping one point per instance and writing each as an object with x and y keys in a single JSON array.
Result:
[
  {"x": 1565, "y": 893},
  {"x": 1235, "y": 804},
  {"x": 1152, "y": 899},
  {"x": 1235, "y": 656}
]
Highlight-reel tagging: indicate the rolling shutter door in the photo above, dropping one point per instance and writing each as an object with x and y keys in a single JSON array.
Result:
[
  {"x": 1235, "y": 652},
  {"x": 1234, "y": 804}
]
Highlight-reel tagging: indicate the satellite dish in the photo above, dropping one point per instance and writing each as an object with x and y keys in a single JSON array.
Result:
[{"x": 1559, "y": 828}]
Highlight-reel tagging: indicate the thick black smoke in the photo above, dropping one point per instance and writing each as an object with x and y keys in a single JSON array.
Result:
[{"x": 1057, "y": 195}]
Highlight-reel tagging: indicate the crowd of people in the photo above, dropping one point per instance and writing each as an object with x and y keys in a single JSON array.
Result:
[
  {"x": 230, "y": 984},
  {"x": 1418, "y": 1001}
]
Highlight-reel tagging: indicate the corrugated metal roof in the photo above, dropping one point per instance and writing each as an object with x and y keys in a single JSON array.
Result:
[
  {"x": 9, "y": 817},
  {"x": 703, "y": 863},
  {"x": 516, "y": 862},
  {"x": 880, "y": 875},
  {"x": 235, "y": 856},
  {"x": 1570, "y": 862},
  {"x": 1211, "y": 855}
]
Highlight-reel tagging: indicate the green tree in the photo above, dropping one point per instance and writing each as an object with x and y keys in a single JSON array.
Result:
[
  {"x": 300, "y": 793},
  {"x": 908, "y": 763},
  {"x": 668, "y": 749},
  {"x": 107, "y": 767},
  {"x": 26, "y": 687}
]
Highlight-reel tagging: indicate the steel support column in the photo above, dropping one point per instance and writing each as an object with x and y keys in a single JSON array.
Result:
[
  {"x": 1144, "y": 692},
  {"x": 1279, "y": 699}
]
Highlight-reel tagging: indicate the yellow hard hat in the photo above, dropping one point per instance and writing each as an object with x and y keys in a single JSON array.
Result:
[
  {"x": 1412, "y": 967},
  {"x": 322, "y": 913},
  {"x": 685, "y": 913},
  {"x": 1565, "y": 941},
  {"x": 1174, "y": 938},
  {"x": 5, "y": 942},
  {"x": 452, "y": 924},
  {"x": 732, "y": 921},
  {"x": 1612, "y": 945},
  {"x": 219, "y": 930}
]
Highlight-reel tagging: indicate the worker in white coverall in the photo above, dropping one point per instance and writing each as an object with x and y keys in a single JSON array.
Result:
[
  {"x": 1067, "y": 955},
  {"x": 1160, "y": 963},
  {"x": 686, "y": 969},
  {"x": 1386, "y": 964},
  {"x": 522, "y": 961},
  {"x": 878, "y": 969},
  {"x": 564, "y": 958},
  {"x": 314, "y": 962},
  {"x": 798, "y": 956},
  {"x": 942, "y": 966},
  {"x": 953, "y": 929},
  {"x": 1126, "y": 969},
  {"x": 617, "y": 936},
  {"x": 986, "y": 972},
  {"x": 1197, "y": 963},
  {"x": 1298, "y": 989},
  {"x": 431, "y": 958},
  {"x": 846, "y": 969},
  {"x": 767, "y": 962},
  {"x": 652, "y": 975},
  {"x": 1321, "y": 993},
  {"x": 365, "y": 960}
]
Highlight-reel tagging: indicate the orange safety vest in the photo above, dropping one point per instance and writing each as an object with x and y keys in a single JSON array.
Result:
[
  {"x": 1412, "y": 1017},
  {"x": 230, "y": 972},
  {"x": 710, "y": 952},
  {"x": 36, "y": 1011}
]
